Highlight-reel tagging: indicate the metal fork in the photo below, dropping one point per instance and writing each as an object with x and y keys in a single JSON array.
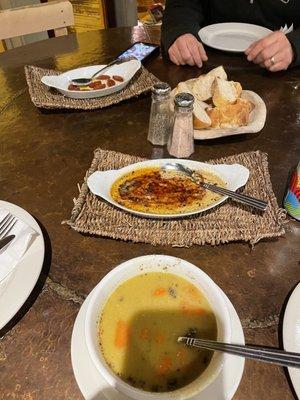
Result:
[
  {"x": 6, "y": 225},
  {"x": 259, "y": 353},
  {"x": 242, "y": 198}
]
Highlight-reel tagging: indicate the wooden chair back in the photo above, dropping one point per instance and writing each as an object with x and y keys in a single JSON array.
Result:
[{"x": 55, "y": 15}]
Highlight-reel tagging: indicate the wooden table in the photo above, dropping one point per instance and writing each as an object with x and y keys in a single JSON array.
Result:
[{"x": 45, "y": 154}]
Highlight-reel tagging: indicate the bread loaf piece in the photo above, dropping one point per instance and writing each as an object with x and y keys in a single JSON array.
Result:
[
  {"x": 202, "y": 88},
  {"x": 183, "y": 87},
  {"x": 214, "y": 115},
  {"x": 201, "y": 119},
  {"x": 235, "y": 115},
  {"x": 225, "y": 92},
  {"x": 218, "y": 72}
]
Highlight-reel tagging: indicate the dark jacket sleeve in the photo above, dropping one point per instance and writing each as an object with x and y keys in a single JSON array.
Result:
[
  {"x": 294, "y": 38},
  {"x": 180, "y": 17}
]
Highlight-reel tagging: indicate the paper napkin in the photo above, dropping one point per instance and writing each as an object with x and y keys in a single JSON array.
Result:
[{"x": 11, "y": 254}]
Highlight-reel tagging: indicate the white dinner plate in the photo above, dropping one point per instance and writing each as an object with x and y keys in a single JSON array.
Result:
[
  {"x": 17, "y": 286},
  {"x": 61, "y": 82},
  {"x": 235, "y": 176},
  {"x": 291, "y": 333},
  {"x": 232, "y": 36},
  {"x": 94, "y": 387}
]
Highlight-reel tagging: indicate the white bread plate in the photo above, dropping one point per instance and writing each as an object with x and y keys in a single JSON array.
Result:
[
  {"x": 256, "y": 123},
  {"x": 257, "y": 117},
  {"x": 100, "y": 182},
  {"x": 61, "y": 82}
]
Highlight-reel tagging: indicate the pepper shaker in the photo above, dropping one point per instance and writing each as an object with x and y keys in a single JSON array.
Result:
[
  {"x": 181, "y": 142},
  {"x": 160, "y": 114}
]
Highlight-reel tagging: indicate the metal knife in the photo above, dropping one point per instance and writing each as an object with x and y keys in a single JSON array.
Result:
[{"x": 6, "y": 240}]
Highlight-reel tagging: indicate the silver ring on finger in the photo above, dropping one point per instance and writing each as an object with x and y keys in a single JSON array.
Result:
[{"x": 272, "y": 59}]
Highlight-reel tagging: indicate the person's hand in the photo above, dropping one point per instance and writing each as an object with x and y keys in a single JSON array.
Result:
[
  {"x": 187, "y": 50},
  {"x": 273, "y": 52}
]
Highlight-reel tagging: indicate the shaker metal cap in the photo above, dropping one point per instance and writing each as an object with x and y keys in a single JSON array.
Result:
[
  {"x": 161, "y": 88},
  {"x": 184, "y": 100}
]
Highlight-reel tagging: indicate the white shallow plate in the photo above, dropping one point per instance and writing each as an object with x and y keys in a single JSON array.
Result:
[
  {"x": 94, "y": 387},
  {"x": 232, "y": 36},
  {"x": 15, "y": 289},
  {"x": 256, "y": 123},
  {"x": 61, "y": 82},
  {"x": 234, "y": 175},
  {"x": 291, "y": 333}
]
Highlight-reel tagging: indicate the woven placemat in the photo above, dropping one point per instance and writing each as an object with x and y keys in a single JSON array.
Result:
[
  {"x": 228, "y": 222},
  {"x": 44, "y": 97}
]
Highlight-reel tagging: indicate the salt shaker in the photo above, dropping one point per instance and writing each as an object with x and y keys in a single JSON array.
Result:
[
  {"x": 160, "y": 114},
  {"x": 181, "y": 141}
]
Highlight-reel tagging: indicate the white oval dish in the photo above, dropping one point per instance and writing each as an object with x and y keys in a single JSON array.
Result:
[
  {"x": 61, "y": 82},
  {"x": 138, "y": 266},
  {"x": 234, "y": 175},
  {"x": 232, "y": 36}
]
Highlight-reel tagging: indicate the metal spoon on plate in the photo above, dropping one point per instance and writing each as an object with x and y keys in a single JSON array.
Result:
[
  {"x": 242, "y": 198},
  {"x": 87, "y": 81},
  {"x": 259, "y": 353}
]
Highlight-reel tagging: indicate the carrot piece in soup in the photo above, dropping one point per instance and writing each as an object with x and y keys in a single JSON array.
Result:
[
  {"x": 164, "y": 365},
  {"x": 122, "y": 334},
  {"x": 191, "y": 294},
  {"x": 191, "y": 309},
  {"x": 160, "y": 292}
]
